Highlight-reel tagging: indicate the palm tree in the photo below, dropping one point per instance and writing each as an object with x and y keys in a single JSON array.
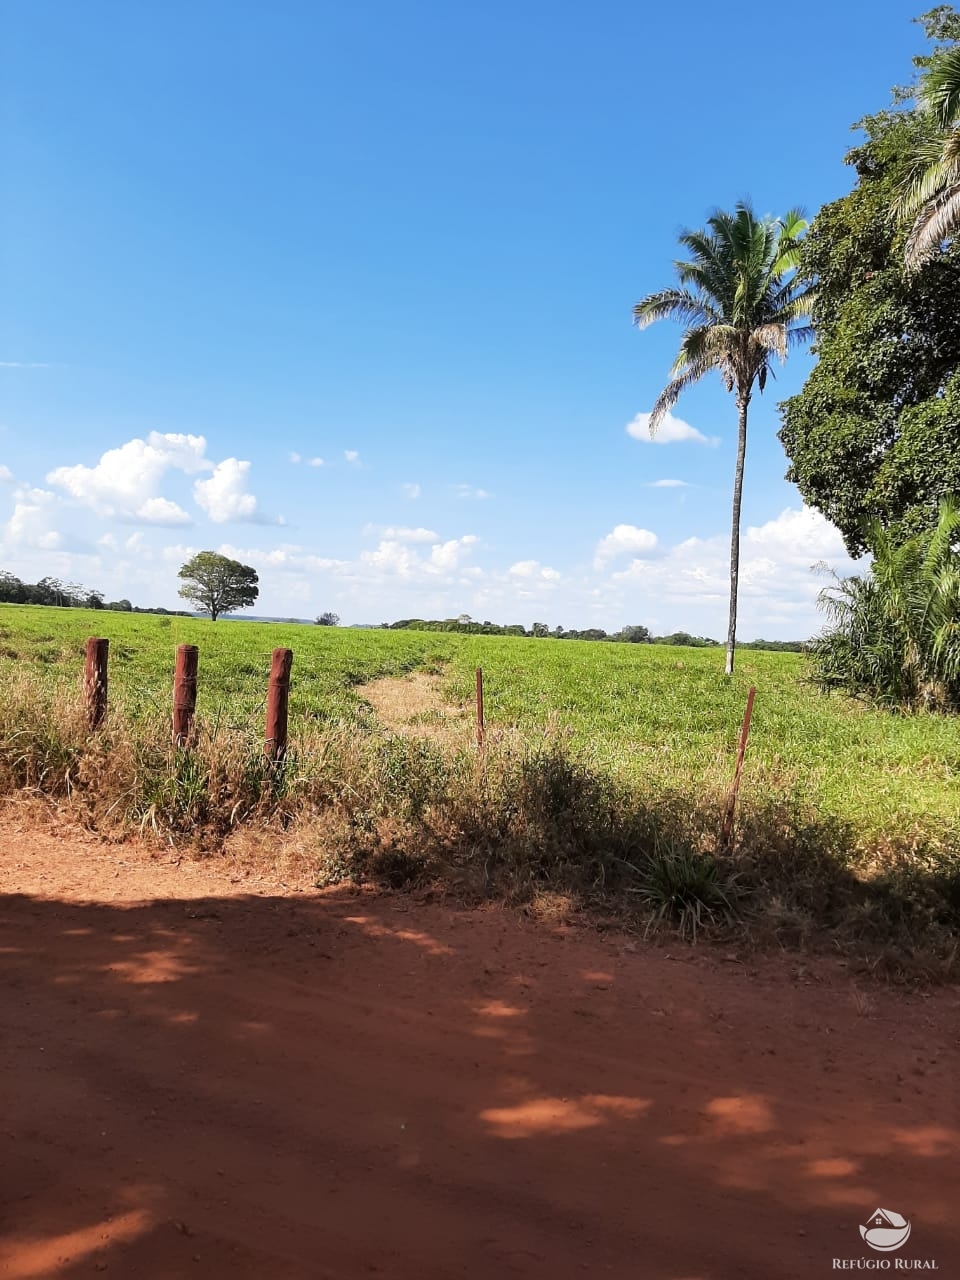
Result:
[
  {"x": 896, "y": 632},
  {"x": 741, "y": 298},
  {"x": 930, "y": 194}
]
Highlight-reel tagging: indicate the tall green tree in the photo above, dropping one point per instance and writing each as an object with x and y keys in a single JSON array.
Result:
[
  {"x": 743, "y": 303},
  {"x": 874, "y": 435},
  {"x": 218, "y": 584}
]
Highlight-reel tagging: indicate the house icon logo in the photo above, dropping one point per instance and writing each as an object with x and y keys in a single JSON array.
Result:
[{"x": 885, "y": 1230}]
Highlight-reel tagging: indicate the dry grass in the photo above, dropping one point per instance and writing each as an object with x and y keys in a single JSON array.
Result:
[
  {"x": 417, "y": 705},
  {"x": 529, "y": 821}
]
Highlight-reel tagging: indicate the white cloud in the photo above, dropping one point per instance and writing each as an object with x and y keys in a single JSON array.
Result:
[
  {"x": 689, "y": 584},
  {"x": 125, "y": 481},
  {"x": 396, "y": 557},
  {"x": 315, "y": 462},
  {"x": 6, "y": 475},
  {"x": 411, "y": 491},
  {"x": 403, "y": 534},
  {"x": 352, "y": 455},
  {"x": 447, "y": 555},
  {"x": 668, "y": 484},
  {"x": 287, "y": 557},
  {"x": 803, "y": 534},
  {"x": 162, "y": 511},
  {"x": 176, "y": 553},
  {"x": 30, "y": 524},
  {"x": 295, "y": 458},
  {"x": 391, "y": 557},
  {"x": 23, "y": 364},
  {"x": 224, "y": 496},
  {"x": 470, "y": 491},
  {"x": 533, "y": 569},
  {"x": 625, "y": 539},
  {"x": 670, "y": 431}
]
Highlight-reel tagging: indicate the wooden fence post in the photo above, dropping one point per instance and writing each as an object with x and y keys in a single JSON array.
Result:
[
  {"x": 278, "y": 693},
  {"x": 727, "y": 830},
  {"x": 480, "y": 708},
  {"x": 185, "y": 693},
  {"x": 95, "y": 680}
]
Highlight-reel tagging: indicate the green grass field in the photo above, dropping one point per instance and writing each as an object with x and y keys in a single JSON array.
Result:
[
  {"x": 602, "y": 784},
  {"x": 657, "y": 714}
]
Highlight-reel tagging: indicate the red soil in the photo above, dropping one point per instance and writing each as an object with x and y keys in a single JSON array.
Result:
[{"x": 206, "y": 1078}]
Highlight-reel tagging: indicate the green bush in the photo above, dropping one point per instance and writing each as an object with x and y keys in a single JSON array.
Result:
[{"x": 895, "y": 636}]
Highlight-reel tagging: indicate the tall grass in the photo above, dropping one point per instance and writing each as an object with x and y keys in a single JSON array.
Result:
[{"x": 533, "y": 815}]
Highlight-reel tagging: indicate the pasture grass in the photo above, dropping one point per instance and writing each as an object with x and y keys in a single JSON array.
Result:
[{"x": 604, "y": 778}]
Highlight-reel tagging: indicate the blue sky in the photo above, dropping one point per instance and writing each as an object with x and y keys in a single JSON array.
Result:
[{"x": 405, "y": 240}]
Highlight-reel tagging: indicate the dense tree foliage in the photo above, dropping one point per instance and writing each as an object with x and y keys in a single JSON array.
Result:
[
  {"x": 63, "y": 595},
  {"x": 742, "y": 301},
  {"x": 218, "y": 584},
  {"x": 51, "y": 591},
  {"x": 875, "y": 433}
]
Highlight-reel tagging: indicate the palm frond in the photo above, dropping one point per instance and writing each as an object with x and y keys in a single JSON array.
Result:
[
  {"x": 939, "y": 91},
  {"x": 672, "y": 304},
  {"x": 708, "y": 344},
  {"x": 944, "y": 536},
  {"x": 931, "y": 171},
  {"x": 800, "y": 335},
  {"x": 773, "y": 338},
  {"x": 799, "y": 305},
  {"x": 937, "y": 222},
  {"x": 790, "y": 300},
  {"x": 672, "y": 392},
  {"x": 710, "y": 279},
  {"x": 793, "y": 225},
  {"x": 929, "y": 195}
]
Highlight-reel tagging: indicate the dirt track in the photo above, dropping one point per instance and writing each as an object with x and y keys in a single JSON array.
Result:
[{"x": 205, "y": 1078}]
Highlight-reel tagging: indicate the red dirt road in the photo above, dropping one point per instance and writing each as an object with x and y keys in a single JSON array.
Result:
[{"x": 216, "y": 1079}]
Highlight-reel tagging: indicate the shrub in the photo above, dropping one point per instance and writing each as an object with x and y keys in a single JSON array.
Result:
[
  {"x": 895, "y": 636},
  {"x": 687, "y": 888}
]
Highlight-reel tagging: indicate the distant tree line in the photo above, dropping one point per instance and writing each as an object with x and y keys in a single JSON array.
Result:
[
  {"x": 71, "y": 595},
  {"x": 465, "y": 625},
  {"x": 776, "y": 646},
  {"x": 66, "y": 595}
]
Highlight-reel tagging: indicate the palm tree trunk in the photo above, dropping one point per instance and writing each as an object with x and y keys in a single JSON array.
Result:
[{"x": 743, "y": 401}]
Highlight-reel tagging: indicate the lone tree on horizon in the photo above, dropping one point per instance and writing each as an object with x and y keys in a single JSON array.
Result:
[
  {"x": 741, "y": 298},
  {"x": 218, "y": 584}
]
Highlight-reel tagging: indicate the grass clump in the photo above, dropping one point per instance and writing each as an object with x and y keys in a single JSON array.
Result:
[{"x": 688, "y": 888}]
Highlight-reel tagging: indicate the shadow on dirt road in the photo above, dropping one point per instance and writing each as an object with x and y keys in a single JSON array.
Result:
[{"x": 341, "y": 1086}]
